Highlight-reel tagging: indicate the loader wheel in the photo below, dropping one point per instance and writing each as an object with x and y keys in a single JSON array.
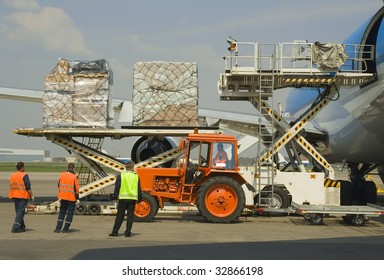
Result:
[
  {"x": 316, "y": 219},
  {"x": 147, "y": 209},
  {"x": 80, "y": 209},
  {"x": 220, "y": 200},
  {"x": 279, "y": 200},
  {"x": 358, "y": 220},
  {"x": 94, "y": 209}
]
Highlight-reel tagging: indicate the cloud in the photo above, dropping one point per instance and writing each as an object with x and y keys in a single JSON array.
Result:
[
  {"x": 48, "y": 27},
  {"x": 23, "y": 4}
]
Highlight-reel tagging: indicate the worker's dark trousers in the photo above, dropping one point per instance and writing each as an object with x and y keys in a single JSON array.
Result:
[
  {"x": 20, "y": 205},
  {"x": 66, "y": 208},
  {"x": 124, "y": 205}
]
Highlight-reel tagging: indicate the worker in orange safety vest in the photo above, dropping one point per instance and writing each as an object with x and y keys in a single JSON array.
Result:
[
  {"x": 221, "y": 157},
  {"x": 68, "y": 195},
  {"x": 20, "y": 192}
]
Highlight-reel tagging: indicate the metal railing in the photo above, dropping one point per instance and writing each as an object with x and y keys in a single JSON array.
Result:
[{"x": 292, "y": 57}]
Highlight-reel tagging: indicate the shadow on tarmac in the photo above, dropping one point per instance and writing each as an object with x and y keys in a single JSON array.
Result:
[{"x": 356, "y": 248}]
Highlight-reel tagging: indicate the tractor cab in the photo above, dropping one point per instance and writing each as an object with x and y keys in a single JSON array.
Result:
[{"x": 206, "y": 154}]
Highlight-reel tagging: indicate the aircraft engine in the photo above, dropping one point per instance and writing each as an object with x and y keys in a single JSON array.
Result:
[{"x": 149, "y": 146}]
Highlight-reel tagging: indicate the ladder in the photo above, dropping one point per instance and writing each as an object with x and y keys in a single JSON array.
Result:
[
  {"x": 265, "y": 169},
  {"x": 88, "y": 171},
  {"x": 186, "y": 197}
]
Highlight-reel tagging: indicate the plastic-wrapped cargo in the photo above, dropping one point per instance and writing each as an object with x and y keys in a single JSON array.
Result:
[
  {"x": 329, "y": 55},
  {"x": 78, "y": 94},
  {"x": 165, "y": 94}
]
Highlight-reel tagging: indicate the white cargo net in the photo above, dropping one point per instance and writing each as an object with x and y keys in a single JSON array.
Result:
[{"x": 165, "y": 94}]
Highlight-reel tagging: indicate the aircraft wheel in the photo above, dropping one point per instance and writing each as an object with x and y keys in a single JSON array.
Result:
[{"x": 145, "y": 147}]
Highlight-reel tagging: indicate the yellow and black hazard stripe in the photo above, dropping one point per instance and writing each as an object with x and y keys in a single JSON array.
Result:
[
  {"x": 328, "y": 183},
  {"x": 283, "y": 140},
  {"x": 157, "y": 159},
  {"x": 306, "y": 81},
  {"x": 98, "y": 185},
  {"x": 309, "y": 148},
  {"x": 270, "y": 111},
  {"x": 298, "y": 126},
  {"x": 76, "y": 147}
]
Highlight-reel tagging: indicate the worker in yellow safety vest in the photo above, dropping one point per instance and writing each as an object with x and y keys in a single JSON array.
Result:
[
  {"x": 128, "y": 193},
  {"x": 68, "y": 195},
  {"x": 20, "y": 192}
]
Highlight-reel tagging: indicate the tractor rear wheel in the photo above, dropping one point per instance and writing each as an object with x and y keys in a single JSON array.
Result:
[
  {"x": 220, "y": 200},
  {"x": 147, "y": 209}
]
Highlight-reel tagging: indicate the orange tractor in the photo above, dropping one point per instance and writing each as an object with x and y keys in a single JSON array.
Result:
[{"x": 207, "y": 176}]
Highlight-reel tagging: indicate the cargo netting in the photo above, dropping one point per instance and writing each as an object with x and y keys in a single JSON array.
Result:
[
  {"x": 165, "y": 94},
  {"x": 78, "y": 94}
]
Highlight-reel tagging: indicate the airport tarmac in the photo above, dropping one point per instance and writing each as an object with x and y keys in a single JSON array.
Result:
[{"x": 182, "y": 236}]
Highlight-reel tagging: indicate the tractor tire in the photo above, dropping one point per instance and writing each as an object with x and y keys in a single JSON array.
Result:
[
  {"x": 147, "y": 209},
  {"x": 220, "y": 200}
]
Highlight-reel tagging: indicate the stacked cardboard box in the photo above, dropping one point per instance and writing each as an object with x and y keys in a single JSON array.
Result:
[
  {"x": 78, "y": 94},
  {"x": 165, "y": 94}
]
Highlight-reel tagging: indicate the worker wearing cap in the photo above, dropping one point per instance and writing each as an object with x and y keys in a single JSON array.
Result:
[
  {"x": 20, "y": 192},
  {"x": 68, "y": 195},
  {"x": 128, "y": 192}
]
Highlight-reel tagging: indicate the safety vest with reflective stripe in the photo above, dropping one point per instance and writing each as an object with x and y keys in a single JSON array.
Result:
[
  {"x": 129, "y": 187},
  {"x": 17, "y": 186},
  {"x": 68, "y": 186}
]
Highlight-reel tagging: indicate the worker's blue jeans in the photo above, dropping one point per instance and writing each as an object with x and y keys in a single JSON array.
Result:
[
  {"x": 67, "y": 210},
  {"x": 20, "y": 205}
]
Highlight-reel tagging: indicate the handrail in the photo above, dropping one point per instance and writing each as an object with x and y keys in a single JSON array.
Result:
[{"x": 292, "y": 57}]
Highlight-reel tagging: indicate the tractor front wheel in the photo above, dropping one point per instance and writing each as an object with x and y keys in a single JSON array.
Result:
[{"x": 147, "y": 209}]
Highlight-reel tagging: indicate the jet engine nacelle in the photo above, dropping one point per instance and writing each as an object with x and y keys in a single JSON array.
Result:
[{"x": 149, "y": 146}]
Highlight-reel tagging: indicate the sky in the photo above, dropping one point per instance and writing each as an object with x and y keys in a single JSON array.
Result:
[{"x": 34, "y": 34}]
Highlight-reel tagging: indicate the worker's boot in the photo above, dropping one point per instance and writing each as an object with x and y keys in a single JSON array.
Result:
[
  {"x": 59, "y": 225},
  {"x": 66, "y": 227}
]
